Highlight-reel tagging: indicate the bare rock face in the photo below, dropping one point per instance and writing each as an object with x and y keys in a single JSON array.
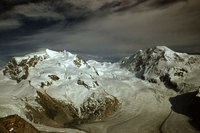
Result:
[
  {"x": 19, "y": 70},
  {"x": 16, "y": 71},
  {"x": 53, "y": 77},
  {"x": 56, "y": 113},
  {"x": 79, "y": 61},
  {"x": 161, "y": 64},
  {"x": 15, "y": 124},
  {"x": 53, "y": 113},
  {"x": 98, "y": 107}
]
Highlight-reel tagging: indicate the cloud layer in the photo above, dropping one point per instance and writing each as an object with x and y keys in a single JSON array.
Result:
[
  {"x": 17, "y": 10},
  {"x": 110, "y": 29}
]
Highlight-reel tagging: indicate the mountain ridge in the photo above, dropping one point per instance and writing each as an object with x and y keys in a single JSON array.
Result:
[
  {"x": 161, "y": 64},
  {"x": 60, "y": 89}
]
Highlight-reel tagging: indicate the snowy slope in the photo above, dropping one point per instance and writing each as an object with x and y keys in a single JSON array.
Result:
[
  {"x": 40, "y": 80},
  {"x": 59, "y": 89}
]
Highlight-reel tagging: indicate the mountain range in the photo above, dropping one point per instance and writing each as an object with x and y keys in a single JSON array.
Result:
[{"x": 155, "y": 90}]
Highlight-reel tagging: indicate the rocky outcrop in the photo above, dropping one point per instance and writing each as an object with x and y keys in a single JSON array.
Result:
[
  {"x": 16, "y": 71},
  {"x": 79, "y": 61},
  {"x": 53, "y": 113},
  {"x": 57, "y": 113},
  {"x": 19, "y": 69},
  {"x": 53, "y": 77},
  {"x": 15, "y": 124},
  {"x": 80, "y": 82},
  {"x": 98, "y": 107}
]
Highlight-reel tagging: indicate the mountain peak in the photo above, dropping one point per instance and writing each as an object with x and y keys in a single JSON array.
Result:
[
  {"x": 67, "y": 78},
  {"x": 161, "y": 64},
  {"x": 164, "y": 48},
  {"x": 19, "y": 68}
]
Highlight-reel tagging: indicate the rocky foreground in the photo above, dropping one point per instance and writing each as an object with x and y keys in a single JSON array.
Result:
[
  {"x": 15, "y": 124},
  {"x": 153, "y": 91}
]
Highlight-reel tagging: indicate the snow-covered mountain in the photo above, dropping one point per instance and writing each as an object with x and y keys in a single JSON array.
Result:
[
  {"x": 161, "y": 64},
  {"x": 60, "y": 89},
  {"x": 48, "y": 77}
]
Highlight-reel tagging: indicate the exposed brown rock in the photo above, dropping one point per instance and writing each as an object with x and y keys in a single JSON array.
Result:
[
  {"x": 152, "y": 80},
  {"x": 15, "y": 71},
  {"x": 23, "y": 62},
  {"x": 96, "y": 83},
  {"x": 99, "y": 108},
  {"x": 78, "y": 61},
  {"x": 191, "y": 61},
  {"x": 80, "y": 82},
  {"x": 54, "y": 77},
  {"x": 96, "y": 71},
  {"x": 178, "y": 58},
  {"x": 56, "y": 113},
  {"x": 15, "y": 124},
  {"x": 19, "y": 71},
  {"x": 33, "y": 61},
  {"x": 180, "y": 72},
  {"x": 45, "y": 84},
  {"x": 79, "y": 58}
]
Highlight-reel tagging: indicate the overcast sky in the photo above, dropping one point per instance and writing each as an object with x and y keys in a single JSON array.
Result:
[{"x": 105, "y": 30}]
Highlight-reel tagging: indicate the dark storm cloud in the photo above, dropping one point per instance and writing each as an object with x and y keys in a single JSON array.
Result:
[
  {"x": 110, "y": 29},
  {"x": 13, "y": 12}
]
